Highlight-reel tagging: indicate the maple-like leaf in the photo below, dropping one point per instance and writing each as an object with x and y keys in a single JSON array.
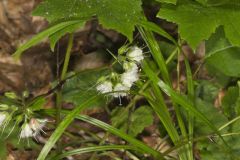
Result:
[
  {"x": 120, "y": 15},
  {"x": 197, "y": 21}
]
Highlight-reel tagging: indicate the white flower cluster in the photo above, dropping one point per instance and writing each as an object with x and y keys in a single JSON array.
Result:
[
  {"x": 135, "y": 54},
  {"x": 33, "y": 128},
  {"x": 126, "y": 79},
  {"x": 29, "y": 126}
]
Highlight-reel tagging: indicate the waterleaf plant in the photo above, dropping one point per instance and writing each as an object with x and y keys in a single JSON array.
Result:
[{"x": 136, "y": 90}]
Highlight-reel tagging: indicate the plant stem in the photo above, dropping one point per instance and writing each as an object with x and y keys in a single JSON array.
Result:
[
  {"x": 67, "y": 57},
  {"x": 63, "y": 76}
]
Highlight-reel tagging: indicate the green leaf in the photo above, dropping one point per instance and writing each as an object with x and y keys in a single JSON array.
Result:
[
  {"x": 69, "y": 29},
  {"x": 229, "y": 101},
  {"x": 3, "y": 151},
  {"x": 120, "y": 15},
  {"x": 207, "y": 91},
  {"x": 135, "y": 142},
  {"x": 155, "y": 28},
  {"x": 212, "y": 151},
  {"x": 215, "y": 117},
  {"x": 93, "y": 149},
  {"x": 139, "y": 119},
  {"x": 197, "y": 22},
  {"x": 167, "y": 1},
  {"x": 225, "y": 62},
  {"x": 123, "y": 135},
  {"x": 44, "y": 34},
  {"x": 119, "y": 119},
  {"x": 218, "y": 49},
  {"x": 159, "y": 106},
  {"x": 37, "y": 104},
  {"x": 78, "y": 89},
  {"x": 214, "y": 2},
  {"x": 63, "y": 125},
  {"x": 184, "y": 102}
]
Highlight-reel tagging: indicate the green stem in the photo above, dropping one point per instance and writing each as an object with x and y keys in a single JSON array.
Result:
[
  {"x": 67, "y": 57},
  {"x": 63, "y": 76}
]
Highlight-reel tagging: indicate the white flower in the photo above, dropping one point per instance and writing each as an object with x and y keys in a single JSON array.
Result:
[
  {"x": 26, "y": 131},
  {"x": 130, "y": 67},
  {"x": 120, "y": 90},
  {"x": 105, "y": 87},
  {"x": 3, "y": 117},
  {"x": 37, "y": 125},
  {"x": 135, "y": 54},
  {"x": 130, "y": 75},
  {"x": 128, "y": 78}
]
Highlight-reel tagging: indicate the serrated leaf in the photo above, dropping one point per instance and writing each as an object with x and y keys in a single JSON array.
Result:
[
  {"x": 197, "y": 22},
  {"x": 120, "y": 15},
  {"x": 79, "y": 88},
  {"x": 214, "y": 116},
  {"x": 222, "y": 57},
  {"x": 207, "y": 91},
  {"x": 118, "y": 118},
  {"x": 139, "y": 119}
]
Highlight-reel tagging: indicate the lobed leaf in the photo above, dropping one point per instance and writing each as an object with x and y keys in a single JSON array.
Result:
[
  {"x": 120, "y": 15},
  {"x": 197, "y": 22},
  {"x": 139, "y": 119},
  {"x": 79, "y": 88}
]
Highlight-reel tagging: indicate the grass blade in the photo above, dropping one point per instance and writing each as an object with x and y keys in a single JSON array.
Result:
[
  {"x": 156, "y": 53},
  {"x": 136, "y": 143},
  {"x": 93, "y": 149},
  {"x": 44, "y": 34},
  {"x": 155, "y": 28},
  {"x": 161, "y": 109},
  {"x": 191, "y": 96},
  {"x": 188, "y": 106},
  {"x": 62, "y": 126},
  {"x": 123, "y": 135}
]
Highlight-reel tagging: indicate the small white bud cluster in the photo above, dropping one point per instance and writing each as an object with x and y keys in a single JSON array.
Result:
[
  {"x": 130, "y": 75},
  {"x": 3, "y": 118},
  {"x": 135, "y": 54},
  {"x": 33, "y": 128},
  {"x": 126, "y": 79},
  {"x": 105, "y": 87}
]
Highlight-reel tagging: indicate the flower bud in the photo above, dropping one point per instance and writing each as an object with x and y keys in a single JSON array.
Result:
[
  {"x": 26, "y": 131},
  {"x": 135, "y": 54},
  {"x": 105, "y": 87},
  {"x": 3, "y": 117},
  {"x": 120, "y": 90}
]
